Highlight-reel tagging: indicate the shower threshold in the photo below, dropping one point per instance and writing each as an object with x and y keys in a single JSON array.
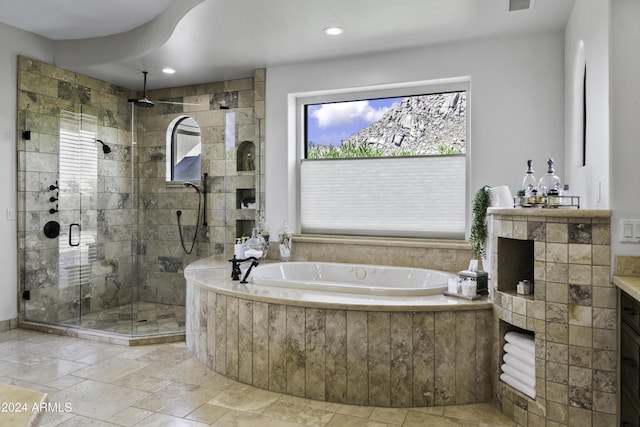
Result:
[{"x": 144, "y": 323}]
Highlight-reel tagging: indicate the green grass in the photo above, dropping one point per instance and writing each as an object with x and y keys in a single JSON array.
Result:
[{"x": 351, "y": 151}]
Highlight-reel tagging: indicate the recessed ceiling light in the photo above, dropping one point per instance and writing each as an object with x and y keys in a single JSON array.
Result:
[
  {"x": 333, "y": 31},
  {"x": 168, "y": 70}
]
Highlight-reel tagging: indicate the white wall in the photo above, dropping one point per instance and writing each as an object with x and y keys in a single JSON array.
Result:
[
  {"x": 516, "y": 106},
  {"x": 625, "y": 119},
  {"x": 13, "y": 42},
  {"x": 589, "y": 25}
]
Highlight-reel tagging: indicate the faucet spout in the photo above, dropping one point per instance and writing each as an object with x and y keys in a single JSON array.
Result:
[{"x": 235, "y": 267}]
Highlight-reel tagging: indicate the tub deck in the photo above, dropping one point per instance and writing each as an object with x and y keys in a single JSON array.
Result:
[{"x": 215, "y": 275}]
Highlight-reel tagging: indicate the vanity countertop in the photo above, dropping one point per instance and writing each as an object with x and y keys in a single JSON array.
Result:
[
  {"x": 627, "y": 275},
  {"x": 629, "y": 284}
]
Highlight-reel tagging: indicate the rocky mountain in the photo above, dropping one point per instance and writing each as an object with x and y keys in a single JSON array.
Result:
[{"x": 428, "y": 124}]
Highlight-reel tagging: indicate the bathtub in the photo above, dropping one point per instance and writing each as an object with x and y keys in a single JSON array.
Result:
[{"x": 352, "y": 278}]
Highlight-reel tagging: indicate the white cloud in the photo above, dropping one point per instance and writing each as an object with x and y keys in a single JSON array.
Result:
[{"x": 344, "y": 113}]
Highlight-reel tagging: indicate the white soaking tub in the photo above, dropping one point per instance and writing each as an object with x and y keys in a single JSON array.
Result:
[{"x": 351, "y": 278}]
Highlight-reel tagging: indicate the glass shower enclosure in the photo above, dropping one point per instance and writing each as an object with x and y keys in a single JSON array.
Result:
[{"x": 77, "y": 239}]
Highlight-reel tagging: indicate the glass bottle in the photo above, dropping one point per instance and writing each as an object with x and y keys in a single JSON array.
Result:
[
  {"x": 285, "y": 242},
  {"x": 529, "y": 182},
  {"x": 549, "y": 184}
]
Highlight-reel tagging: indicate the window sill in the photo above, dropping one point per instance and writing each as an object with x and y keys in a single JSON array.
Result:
[
  {"x": 381, "y": 241},
  {"x": 180, "y": 184}
]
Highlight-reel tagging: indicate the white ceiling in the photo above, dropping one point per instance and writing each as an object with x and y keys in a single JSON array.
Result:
[
  {"x": 79, "y": 19},
  {"x": 213, "y": 40}
]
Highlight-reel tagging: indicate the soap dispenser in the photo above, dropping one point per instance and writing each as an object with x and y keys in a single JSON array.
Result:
[{"x": 529, "y": 183}]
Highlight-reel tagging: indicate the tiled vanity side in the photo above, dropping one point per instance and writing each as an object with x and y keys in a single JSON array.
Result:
[{"x": 572, "y": 313}]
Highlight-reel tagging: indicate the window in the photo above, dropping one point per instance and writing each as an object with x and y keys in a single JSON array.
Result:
[
  {"x": 392, "y": 165},
  {"x": 183, "y": 150}
]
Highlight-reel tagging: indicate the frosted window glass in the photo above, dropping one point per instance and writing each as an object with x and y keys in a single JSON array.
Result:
[{"x": 392, "y": 196}]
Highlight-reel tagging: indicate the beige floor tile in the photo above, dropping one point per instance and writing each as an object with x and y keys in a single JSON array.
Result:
[
  {"x": 177, "y": 399},
  {"x": 431, "y": 410},
  {"x": 389, "y": 415},
  {"x": 97, "y": 400},
  {"x": 299, "y": 414},
  {"x": 480, "y": 413},
  {"x": 191, "y": 371},
  {"x": 46, "y": 372},
  {"x": 163, "y": 420},
  {"x": 130, "y": 416},
  {"x": 172, "y": 354},
  {"x": 207, "y": 413},
  {"x": 163, "y": 385},
  {"x": 341, "y": 420},
  {"x": 51, "y": 419},
  {"x": 244, "y": 419},
  {"x": 142, "y": 382},
  {"x": 108, "y": 352},
  {"x": 418, "y": 419},
  {"x": 80, "y": 421},
  {"x": 110, "y": 370},
  {"x": 75, "y": 349},
  {"x": 245, "y": 398},
  {"x": 65, "y": 382}
]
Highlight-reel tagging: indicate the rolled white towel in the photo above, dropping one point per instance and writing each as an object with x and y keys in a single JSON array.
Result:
[
  {"x": 521, "y": 376},
  {"x": 520, "y": 340},
  {"x": 531, "y": 392},
  {"x": 519, "y": 365},
  {"x": 521, "y": 354}
]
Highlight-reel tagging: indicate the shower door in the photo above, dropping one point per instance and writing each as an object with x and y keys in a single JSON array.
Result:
[
  {"x": 77, "y": 211},
  {"x": 83, "y": 275}
]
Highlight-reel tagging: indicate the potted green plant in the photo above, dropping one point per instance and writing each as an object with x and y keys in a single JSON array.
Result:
[{"x": 479, "y": 231}]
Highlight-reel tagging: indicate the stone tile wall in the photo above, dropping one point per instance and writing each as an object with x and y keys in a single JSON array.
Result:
[
  {"x": 573, "y": 315},
  {"x": 438, "y": 255},
  {"x": 377, "y": 358},
  {"x": 161, "y": 256}
]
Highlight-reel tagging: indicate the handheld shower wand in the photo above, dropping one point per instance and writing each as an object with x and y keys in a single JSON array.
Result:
[{"x": 192, "y": 185}]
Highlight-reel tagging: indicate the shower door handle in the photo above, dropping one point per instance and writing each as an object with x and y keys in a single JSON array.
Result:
[{"x": 71, "y": 233}]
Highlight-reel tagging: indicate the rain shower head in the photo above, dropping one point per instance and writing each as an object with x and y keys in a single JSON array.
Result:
[
  {"x": 105, "y": 148},
  {"x": 144, "y": 102},
  {"x": 192, "y": 185}
]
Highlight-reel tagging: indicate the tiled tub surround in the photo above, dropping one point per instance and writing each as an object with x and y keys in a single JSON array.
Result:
[
  {"x": 448, "y": 255},
  {"x": 572, "y": 312},
  {"x": 391, "y": 351}
]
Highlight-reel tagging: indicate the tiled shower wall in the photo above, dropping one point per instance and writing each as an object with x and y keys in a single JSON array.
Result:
[
  {"x": 138, "y": 252},
  {"x": 161, "y": 256}
]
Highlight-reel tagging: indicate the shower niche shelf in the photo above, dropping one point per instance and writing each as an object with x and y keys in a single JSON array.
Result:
[
  {"x": 244, "y": 227},
  {"x": 515, "y": 263},
  {"x": 245, "y": 198},
  {"x": 246, "y": 157}
]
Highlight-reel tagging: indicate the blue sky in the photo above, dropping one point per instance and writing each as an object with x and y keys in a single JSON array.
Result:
[{"x": 330, "y": 124}]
